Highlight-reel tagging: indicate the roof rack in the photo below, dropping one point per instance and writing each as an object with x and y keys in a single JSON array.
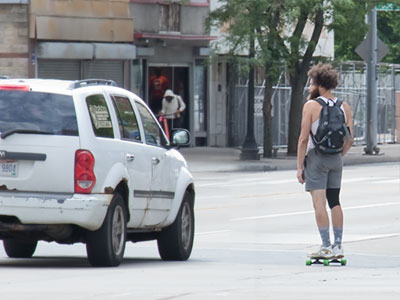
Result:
[{"x": 87, "y": 82}]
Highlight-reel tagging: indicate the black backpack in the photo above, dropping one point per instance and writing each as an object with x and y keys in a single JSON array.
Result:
[{"x": 329, "y": 138}]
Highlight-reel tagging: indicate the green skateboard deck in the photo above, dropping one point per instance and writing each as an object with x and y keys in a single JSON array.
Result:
[{"x": 326, "y": 261}]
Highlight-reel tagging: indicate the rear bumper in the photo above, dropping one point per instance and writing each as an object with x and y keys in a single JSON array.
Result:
[{"x": 87, "y": 211}]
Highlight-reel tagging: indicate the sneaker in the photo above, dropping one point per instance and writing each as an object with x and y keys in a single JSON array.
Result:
[
  {"x": 338, "y": 251},
  {"x": 323, "y": 252}
]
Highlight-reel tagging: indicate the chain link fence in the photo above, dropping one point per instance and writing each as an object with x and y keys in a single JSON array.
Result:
[{"x": 352, "y": 88}]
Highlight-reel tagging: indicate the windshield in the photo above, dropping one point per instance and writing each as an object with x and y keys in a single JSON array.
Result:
[{"x": 34, "y": 112}]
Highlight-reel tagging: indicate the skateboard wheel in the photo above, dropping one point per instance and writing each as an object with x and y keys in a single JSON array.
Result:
[
  {"x": 308, "y": 262},
  {"x": 326, "y": 262},
  {"x": 343, "y": 261}
]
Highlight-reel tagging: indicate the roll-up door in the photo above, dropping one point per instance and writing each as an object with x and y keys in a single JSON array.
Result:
[
  {"x": 104, "y": 69},
  {"x": 59, "y": 69}
]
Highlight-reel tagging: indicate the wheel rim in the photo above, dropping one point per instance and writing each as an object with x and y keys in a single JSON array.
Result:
[
  {"x": 118, "y": 230},
  {"x": 186, "y": 226}
]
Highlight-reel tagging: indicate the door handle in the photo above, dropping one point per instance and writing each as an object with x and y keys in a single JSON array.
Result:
[
  {"x": 155, "y": 161},
  {"x": 130, "y": 157}
]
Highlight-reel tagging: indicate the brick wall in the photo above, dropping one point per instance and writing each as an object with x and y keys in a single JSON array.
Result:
[{"x": 14, "y": 41}]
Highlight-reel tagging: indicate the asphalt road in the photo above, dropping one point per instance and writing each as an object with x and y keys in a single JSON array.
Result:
[{"x": 253, "y": 231}]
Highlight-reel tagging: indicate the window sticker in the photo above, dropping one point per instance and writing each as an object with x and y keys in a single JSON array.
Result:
[{"x": 100, "y": 116}]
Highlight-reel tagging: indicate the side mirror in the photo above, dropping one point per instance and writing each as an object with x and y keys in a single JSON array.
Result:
[{"x": 180, "y": 137}]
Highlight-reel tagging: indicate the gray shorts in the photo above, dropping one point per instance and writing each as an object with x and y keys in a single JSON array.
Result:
[{"x": 322, "y": 171}]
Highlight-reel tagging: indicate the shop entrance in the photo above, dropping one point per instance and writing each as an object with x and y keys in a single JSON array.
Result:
[{"x": 162, "y": 78}]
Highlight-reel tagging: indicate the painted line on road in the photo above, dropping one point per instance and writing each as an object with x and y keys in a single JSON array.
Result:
[
  {"x": 388, "y": 181},
  {"x": 353, "y": 239},
  {"x": 259, "y": 182},
  {"x": 213, "y": 232},
  {"x": 359, "y": 179},
  {"x": 309, "y": 212},
  {"x": 273, "y": 216},
  {"x": 371, "y": 205},
  {"x": 246, "y": 182}
]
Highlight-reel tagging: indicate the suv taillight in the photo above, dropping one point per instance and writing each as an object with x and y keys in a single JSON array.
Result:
[
  {"x": 15, "y": 87},
  {"x": 84, "y": 174}
]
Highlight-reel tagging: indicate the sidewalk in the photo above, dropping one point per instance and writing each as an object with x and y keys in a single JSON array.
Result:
[{"x": 213, "y": 159}]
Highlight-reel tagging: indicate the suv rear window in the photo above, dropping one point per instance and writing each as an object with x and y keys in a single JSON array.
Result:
[{"x": 51, "y": 113}]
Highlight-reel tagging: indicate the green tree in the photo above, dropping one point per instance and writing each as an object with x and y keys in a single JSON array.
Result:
[
  {"x": 350, "y": 31},
  {"x": 389, "y": 33},
  {"x": 279, "y": 27}
]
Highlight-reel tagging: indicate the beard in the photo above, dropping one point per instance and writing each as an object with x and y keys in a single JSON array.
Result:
[{"x": 313, "y": 95}]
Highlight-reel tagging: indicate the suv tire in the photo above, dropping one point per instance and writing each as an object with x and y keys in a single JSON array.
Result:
[
  {"x": 19, "y": 249},
  {"x": 176, "y": 241},
  {"x": 105, "y": 247}
]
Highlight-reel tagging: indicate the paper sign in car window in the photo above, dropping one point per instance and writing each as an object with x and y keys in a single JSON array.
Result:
[{"x": 100, "y": 116}]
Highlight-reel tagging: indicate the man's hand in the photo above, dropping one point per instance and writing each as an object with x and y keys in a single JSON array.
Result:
[{"x": 300, "y": 175}]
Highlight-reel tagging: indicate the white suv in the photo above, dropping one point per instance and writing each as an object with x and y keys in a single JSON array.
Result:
[{"x": 87, "y": 162}]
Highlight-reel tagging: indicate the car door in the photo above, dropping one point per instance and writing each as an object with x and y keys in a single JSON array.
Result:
[
  {"x": 137, "y": 158},
  {"x": 163, "y": 177}
]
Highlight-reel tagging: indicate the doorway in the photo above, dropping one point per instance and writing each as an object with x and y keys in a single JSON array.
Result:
[{"x": 176, "y": 78}]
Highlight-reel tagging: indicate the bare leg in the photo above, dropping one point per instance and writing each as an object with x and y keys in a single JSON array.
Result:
[
  {"x": 321, "y": 216},
  {"x": 337, "y": 216},
  {"x": 337, "y": 224},
  {"x": 319, "y": 201}
]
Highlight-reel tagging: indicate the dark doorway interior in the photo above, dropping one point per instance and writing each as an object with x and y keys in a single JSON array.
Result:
[{"x": 163, "y": 78}]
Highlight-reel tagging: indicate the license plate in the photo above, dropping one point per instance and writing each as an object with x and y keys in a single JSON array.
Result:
[{"x": 8, "y": 168}]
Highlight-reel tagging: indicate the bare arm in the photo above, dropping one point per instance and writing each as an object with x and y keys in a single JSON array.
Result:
[
  {"x": 349, "y": 122},
  {"x": 303, "y": 139}
]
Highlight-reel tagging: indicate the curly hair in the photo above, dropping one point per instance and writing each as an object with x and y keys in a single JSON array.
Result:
[{"x": 324, "y": 75}]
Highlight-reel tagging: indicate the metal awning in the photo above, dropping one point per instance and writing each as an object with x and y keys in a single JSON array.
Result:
[{"x": 59, "y": 50}]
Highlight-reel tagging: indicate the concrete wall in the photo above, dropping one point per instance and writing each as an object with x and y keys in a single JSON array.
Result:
[
  {"x": 81, "y": 20},
  {"x": 146, "y": 18},
  {"x": 192, "y": 20},
  {"x": 14, "y": 42}
]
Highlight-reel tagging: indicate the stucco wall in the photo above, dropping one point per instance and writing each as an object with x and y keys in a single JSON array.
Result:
[{"x": 14, "y": 41}]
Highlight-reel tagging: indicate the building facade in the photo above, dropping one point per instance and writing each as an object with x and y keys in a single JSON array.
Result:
[
  {"x": 172, "y": 52},
  {"x": 73, "y": 39},
  {"x": 14, "y": 42},
  {"x": 79, "y": 39},
  {"x": 128, "y": 41}
]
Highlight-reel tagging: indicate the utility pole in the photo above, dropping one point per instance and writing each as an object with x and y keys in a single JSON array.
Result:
[
  {"x": 372, "y": 63},
  {"x": 250, "y": 148}
]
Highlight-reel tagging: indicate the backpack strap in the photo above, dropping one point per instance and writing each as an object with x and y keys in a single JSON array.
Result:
[
  {"x": 324, "y": 114},
  {"x": 321, "y": 101},
  {"x": 339, "y": 103}
]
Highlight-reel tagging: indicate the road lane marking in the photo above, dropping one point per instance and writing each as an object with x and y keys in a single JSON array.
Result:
[
  {"x": 359, "y": 179},
  {"x": 388, "y": 181},
  {"x": 213, "y": 232},
  {"x": 310, "y": 212},
  {"x": 359, "y": 238},
  {"x": 266, "y": 181},
  {"x": 259, "y": 182},
  {"x": 273, "y": 216}
]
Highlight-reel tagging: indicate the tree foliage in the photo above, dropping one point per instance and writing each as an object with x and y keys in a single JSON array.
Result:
[
  {"x": 389, "y": 33},
  {"x": 279, "y": 28},
  {"x": 350, "y": 29}
]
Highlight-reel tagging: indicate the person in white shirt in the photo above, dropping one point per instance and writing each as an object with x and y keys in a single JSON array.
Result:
[
  {"x": 172, "y": 108},
  {"x": 322, "y": 173}
]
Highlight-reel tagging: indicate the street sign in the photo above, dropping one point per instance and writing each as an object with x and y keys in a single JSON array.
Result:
[
  {"x": 364, "y": 49},
  {"x": 387, "y": 7}
]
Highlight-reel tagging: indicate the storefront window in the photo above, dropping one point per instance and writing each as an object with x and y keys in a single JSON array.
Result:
[
  {"x": 200, "y": 99},
  {"x": 137, "y": 78}
]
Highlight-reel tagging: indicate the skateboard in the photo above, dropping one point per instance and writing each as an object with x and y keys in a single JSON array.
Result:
[{"x": 326, "y": 261}]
